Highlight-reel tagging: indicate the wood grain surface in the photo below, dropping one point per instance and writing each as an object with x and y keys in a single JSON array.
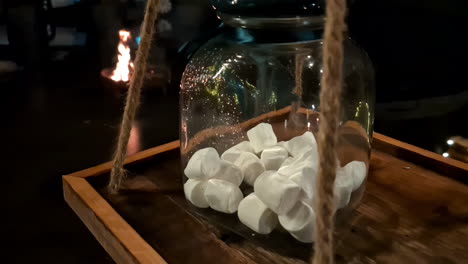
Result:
[
  {"x": 410, "y": 213},
  {"x": 117, "y": 237},
  {"x": 433, "y": 161}
]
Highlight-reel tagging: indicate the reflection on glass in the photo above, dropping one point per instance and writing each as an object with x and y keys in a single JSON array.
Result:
[{"x": 134, "y": 142}]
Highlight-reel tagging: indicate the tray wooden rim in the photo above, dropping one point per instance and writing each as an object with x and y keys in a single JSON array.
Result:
[
  {"x": 125, "y": 245},
  {"x": 114, "y": 234}
]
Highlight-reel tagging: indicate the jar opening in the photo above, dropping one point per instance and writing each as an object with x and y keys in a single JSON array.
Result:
[{"x": 250, "y": 22}]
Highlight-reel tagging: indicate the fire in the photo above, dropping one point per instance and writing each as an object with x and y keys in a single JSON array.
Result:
[{"x": 124, "y": 65}]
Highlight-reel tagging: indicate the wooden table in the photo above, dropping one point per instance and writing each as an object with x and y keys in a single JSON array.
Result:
[{"x": 414, "y": 210}]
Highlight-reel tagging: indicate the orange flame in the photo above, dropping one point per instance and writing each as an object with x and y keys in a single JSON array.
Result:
[{"x": 124, "y": 65}]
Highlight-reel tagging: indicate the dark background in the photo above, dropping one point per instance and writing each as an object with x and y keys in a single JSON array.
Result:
[{"x": 59, "y": 116}]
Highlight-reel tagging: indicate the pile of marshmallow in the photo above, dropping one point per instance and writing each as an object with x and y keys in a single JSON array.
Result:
[{"x": 282, "y": 175}]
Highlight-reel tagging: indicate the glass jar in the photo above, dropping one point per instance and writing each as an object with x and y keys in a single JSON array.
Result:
[{"x": 249, "y": 106}]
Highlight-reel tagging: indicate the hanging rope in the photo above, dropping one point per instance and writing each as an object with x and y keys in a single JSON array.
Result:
[
  {"x": 299, "y": 65},
  {"x": 330, "y": 94},
  {"x": 118, "y": 173}
]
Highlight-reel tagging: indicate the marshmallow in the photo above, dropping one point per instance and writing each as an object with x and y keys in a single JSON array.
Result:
[
  {"x": 195, "y": 192},
  {"x": 250, "y": 165},
  {"x": 273, "y": 157},
  {"x": 307, "y": 159},
  {"x": 301, "y": 144},
  {"x": 228, "y": 172},
  {"x": 261, "y": 137},
  {"x": 303, "y": 171},
  {"x": 310, "y": 157},
  {"x": 233, "y": 153},
  {"x": 307, "y": 198},
  {"x": 300, "y": 222},
  {"x": 223, "y": 196},
  {"x": 305, "y": 178},
  {"x": 358, "y": 171},
  {"x": 203, "y": 163},
  {"x": 287, "y": 161},
  {"x": 256, "y": 215},
  {"x": 289, "y": 170},
  {"x": 276, "y": 191},
  {"x": 282, "y": 144},
  {"x": 343, "y": 188}
]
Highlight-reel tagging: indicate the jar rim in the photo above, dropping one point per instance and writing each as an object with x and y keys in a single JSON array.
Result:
[{"x": 312, "y": 22}]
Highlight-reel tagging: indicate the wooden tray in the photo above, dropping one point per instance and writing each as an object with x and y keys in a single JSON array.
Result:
[{"x": 414, "y": 210}]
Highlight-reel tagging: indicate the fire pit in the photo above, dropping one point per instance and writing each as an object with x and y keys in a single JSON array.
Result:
[{"x": 117, "y": 79}]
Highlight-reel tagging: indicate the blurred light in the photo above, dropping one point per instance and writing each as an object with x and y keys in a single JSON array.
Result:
[
  {"x": 220, "y": 70},
  {"x": 273, "y": 98},
  {"x": 137, "y": 40},
  {"x": 134, "y": 141},
  {"x": 450, "y": 142},
  {"x": 445, "y": 155}
]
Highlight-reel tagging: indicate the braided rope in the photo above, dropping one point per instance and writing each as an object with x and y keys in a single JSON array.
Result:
[
  {"x": 330, "y": 94},
  {"x": 118, "y": 172}
]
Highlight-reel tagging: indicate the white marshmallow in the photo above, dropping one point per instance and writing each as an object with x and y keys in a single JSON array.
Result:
[
  {"x": 287, "y": 161},
  {"x": 276, "y": 191},
  {"x": 358, "y": 171},
  {"x": 289, "y": 170},
  {"x": 195, "y": 192},
  {"x": 343, "y": 188},
  {"x": 261, "y": 136},
  {"x": 228, "y": 172},
  {"x": 233, "y": 153},
  {"x": 310, "y": 157},
  {"x": 300, "y": 222},
  {"x": 305, "y": 177},
  {"x": 301, "y": 144},
  {"x": 307, "y": 159},
  {"x": 202, "y": 161},
  {"x": 223, "y": 196},
  {"x": 256, "y": 215},
  {"x": 250, "y": 165},
  {"x": 282, "y": 144},
  {"x": 273, "y": 157},
  {"x": 307, "y": 198},
  {"x": 303, "y": 171}
]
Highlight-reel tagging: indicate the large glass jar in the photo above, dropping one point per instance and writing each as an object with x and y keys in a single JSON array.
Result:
[{"x": 249, "y": 115}]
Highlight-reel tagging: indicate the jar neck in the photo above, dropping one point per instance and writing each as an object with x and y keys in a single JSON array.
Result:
[{"x": 274, "y": 30}]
